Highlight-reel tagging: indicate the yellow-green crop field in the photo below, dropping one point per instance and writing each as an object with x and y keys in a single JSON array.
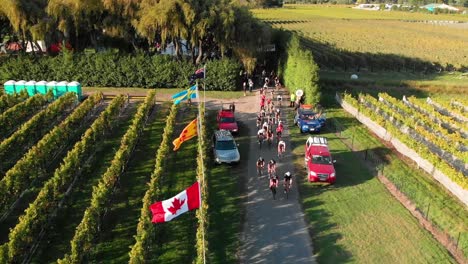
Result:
[{"x": 377, "y": 32}]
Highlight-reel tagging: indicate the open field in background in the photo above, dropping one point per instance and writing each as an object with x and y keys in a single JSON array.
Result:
[
  {"x": 356, "y": 219},
  {"x": 375, "y": 32},
  {"x": 306, "y": 12}
]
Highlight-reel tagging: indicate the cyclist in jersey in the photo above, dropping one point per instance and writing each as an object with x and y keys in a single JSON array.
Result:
[
  {"x": 281, "y": 148},
  {"x": 271, "y": 168},
  {"x": 260, "y": 165},
  {"x": 287, "y": 181},
  {"x": 273, "y": 185},
  {"x": 261, "y": 135},
  {"x": 279, "y": 130},
  {"x": 269, "y": 136}
]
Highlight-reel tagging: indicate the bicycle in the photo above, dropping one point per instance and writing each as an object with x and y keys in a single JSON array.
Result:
[
  {"x": 287, "y": 188},
  {"x": 280, "y": 152},
  {"x": 273, "y": 186},
  {"x": 271, "y": 171},
  {"x": 260, "y": 170},
  {"x": 260, "y": 140}
]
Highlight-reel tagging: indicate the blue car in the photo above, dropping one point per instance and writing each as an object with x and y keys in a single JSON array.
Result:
[{"x": 307, "y": 120}]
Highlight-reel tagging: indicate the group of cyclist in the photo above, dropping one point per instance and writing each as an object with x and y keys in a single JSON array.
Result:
[{"x": 269, "y": 117}]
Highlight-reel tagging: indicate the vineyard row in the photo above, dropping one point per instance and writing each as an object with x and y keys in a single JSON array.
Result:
[
  {"x": 41, "y": 212},
  {"x": 87, "y": 231}
]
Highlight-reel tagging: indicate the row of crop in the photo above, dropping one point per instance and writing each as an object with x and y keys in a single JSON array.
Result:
[
  {"x": 420, "y": 119},
  {"x": 448, "y": 110},
  {"x": 9, "y": 100},
  {"x": 88, "y": 229},
  {"x": 146, "y": 230},
  {"x": 436, "y": 116},
  {"x": 16, "y": 115},
  {"x": 202, "y": 213},
  {"x": 423, "y": 150},
  {"x": 448, "y": 152},
  {"x": 41, "y": 211},
  {"x": 32, "y": 166},
  {"x": 12, "y": 148}
]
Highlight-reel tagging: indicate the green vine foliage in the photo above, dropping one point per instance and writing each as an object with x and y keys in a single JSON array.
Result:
[
  {"x": 32, "y": 166},
  {"x": 146, "y": 230},
  {"x": 18, "y": 114},
  {"x": 9, "y": 100},
  {"x": 87, "y": 231},
  {"x": 12, "y": 148},
  {"x": 369, "y": 107},
  {"x": 41, "y": 212}
]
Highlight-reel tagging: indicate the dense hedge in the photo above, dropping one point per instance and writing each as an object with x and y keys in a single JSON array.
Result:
[
  {"x": 300, "y": 71},
  {"x": 118, "y": 70}
]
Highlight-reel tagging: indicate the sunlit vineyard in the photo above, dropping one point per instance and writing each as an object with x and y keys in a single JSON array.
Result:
[{"x": 375, "y": 32}]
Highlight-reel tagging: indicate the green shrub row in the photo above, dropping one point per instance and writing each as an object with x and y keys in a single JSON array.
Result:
[
  {"x": 16, "y": 115},
  {"x": 9, "y": 100},
  {"x": 118, "y": 70},
  {"x": 202, "y": 213},
  {"x": 300, "y": 71},
  {"x": 420, "y": 148},
  {"x": 41, "y": 211},
  {"x": 88, "y": 229},
  {"x": 12, "y": 148},
  {"x": 32, "y": 165},
  {"x": 146, "y": 229}
]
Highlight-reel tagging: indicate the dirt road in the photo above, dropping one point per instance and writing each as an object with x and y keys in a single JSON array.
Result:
[{"x": 274, "y": 230}]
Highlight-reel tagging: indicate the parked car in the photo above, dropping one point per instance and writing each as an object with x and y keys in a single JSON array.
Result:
[
  {"x": 227, "y": 120},
  {"x": 225, "y": 147},
  {"x": 308, "y": 120},
  {"x": 318, "y": 160}
]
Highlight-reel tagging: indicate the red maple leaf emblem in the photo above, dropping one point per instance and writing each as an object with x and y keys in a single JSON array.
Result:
[{"x": 176, "y": 205}]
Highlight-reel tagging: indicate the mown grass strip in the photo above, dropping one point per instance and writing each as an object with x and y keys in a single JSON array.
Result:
[
  {"x": 445, "y": 211},
  {"x": 356, "y": 219},
  {"x": 146, "y": 232},
  {"x": 226, "y": 192},
  {"x": 176, "y": 239}
]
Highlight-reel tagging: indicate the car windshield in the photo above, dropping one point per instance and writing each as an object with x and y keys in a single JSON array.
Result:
[
  {"x": 318, "y": 159},
  {"x": 225, "y": 145},
  {"x": 227, "y": 120}
]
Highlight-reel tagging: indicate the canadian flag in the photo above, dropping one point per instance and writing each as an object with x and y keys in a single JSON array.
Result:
[{"x": 169, "y": 209}]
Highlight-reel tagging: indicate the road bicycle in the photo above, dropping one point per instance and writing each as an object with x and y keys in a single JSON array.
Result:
[
  {"x": 259, "y": 170},
  {"x": 273, "y": 189},
  {"x": 260, "y": 140},
  {"x": 287, "y": 188},
  {"x": 280, "y": 152}
]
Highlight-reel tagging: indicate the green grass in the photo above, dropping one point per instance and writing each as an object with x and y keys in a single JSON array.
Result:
[
  {"x": 164, "y": 92},
  {"x": 176, "y": 240},
  {"x": 445, "y": 211},
  {"x": 356, "y": 219},
  {"x": 57, "y": 241},
  {"x": 120, "y": 223},
  {"x": 225, "y": 196}
]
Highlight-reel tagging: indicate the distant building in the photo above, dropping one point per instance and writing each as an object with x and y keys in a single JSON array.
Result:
[
  {"x": 367, "y": 6},
  {"x": 432, "y": 7}
]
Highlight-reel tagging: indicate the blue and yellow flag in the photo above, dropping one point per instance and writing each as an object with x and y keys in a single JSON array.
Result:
[{"x": 184, "y": 95}]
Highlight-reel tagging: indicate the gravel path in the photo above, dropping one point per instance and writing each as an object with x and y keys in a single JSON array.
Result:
[{"x": 274, "y": 230}]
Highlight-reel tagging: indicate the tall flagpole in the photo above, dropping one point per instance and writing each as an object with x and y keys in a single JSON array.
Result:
[{"x": 200, "y": 150}]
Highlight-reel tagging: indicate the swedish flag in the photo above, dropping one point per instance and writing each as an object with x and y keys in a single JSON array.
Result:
[{"x": 184, "y": 95}]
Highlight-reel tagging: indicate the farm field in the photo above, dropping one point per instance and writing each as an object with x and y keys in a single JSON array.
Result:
[
  {"x": 378, "y": 33},
  {"x": 356, "y": 219}
]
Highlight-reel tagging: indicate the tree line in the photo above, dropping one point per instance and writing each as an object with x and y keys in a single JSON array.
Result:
[{"x": 206, "y": 28}]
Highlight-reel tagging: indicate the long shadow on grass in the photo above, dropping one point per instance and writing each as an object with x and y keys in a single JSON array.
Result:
[{"x": 226, "y": 194}]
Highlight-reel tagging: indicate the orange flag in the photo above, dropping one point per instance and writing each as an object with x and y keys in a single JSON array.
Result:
[{"x": 189, "y": 132}]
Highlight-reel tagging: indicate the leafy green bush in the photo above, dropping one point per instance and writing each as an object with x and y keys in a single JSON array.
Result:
[{"x": 119, "y": 70}]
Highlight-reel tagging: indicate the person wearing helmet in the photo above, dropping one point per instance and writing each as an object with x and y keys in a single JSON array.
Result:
[
  {"x": 260, "y": 165},
  {"x": 287, "y": 181},
  {"x": 281, "y": 148},
  {"x": 272, "y": 168}
]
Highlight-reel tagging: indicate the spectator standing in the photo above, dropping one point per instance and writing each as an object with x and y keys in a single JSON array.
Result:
[{"x": 251, "y": 84}]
